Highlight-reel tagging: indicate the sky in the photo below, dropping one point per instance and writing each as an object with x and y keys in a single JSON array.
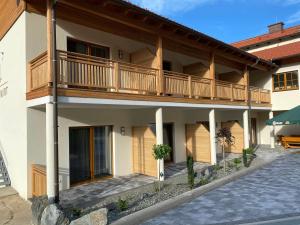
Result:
[{"x": 227, "y": 20}]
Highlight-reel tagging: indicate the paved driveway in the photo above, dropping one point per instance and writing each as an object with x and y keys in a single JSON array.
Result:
[{"x": 271, "y": 192}]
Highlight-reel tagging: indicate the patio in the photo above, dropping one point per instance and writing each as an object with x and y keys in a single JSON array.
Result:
[{"x": 87, "y": 195}]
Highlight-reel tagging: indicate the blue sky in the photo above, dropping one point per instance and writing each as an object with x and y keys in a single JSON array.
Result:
[{"x": 227, "y": 20}]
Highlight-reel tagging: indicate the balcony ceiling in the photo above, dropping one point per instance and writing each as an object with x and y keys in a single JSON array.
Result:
[{"x": 126, "y": 19}]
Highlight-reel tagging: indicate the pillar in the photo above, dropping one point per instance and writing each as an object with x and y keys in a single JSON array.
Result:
[
  {"x": 159, "y": 139},
  {"x": 246, "y": 128},
  {"x": 50, "y": 161},
  {"x": 212, "y": 133},
  {"x": 272, "y": 131}
]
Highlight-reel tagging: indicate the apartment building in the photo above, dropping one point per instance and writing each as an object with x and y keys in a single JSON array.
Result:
[
  {"x": 281, "y": 46},
  {"x": 127, "y": 79}
]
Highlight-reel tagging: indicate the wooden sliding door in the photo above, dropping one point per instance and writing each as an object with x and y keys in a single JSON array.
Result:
[
  {"x": 90, "y": 153},
  {"x": 198, "y": 142},
  {"x": 238, "y": 133}
]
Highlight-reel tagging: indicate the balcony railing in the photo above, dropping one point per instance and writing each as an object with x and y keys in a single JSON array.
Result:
[{"x": 94, "y": 73}]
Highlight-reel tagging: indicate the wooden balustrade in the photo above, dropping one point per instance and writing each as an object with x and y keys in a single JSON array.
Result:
[
  {"x": 233, "y": 92},
  {"x": 88, "y": 72},
  {"x": 39, "y": 186},
  {"x": 37, "y": 68}
]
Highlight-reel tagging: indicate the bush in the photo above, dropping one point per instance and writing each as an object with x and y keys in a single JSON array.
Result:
[
  {"x": 203, "y": 181},
  {"x": 237, "y": 162},
  {"x": 217, "y": 167},
  {"x": 122, "y": 204},
  {"x": 191, "y": 172},
  {"x": 245, "y": 158},
  {"x": 161, "y": 151}
]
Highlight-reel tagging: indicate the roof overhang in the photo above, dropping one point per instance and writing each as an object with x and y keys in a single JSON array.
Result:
[{"x": 146, "y": 21}]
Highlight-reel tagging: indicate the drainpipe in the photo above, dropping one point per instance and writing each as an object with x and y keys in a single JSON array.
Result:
[{"x": 55, "y": 103}]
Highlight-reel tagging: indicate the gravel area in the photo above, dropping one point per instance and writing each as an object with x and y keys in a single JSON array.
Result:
[{"x": 145, "y": 196}]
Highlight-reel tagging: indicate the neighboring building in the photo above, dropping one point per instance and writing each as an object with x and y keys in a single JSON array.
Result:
[
  {"x": 281, "y": 46},
  {"x": 125, "y": 74}
]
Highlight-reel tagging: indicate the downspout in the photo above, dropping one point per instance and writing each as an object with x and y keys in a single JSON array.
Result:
[
  {"x": 249, "y": 104},
  {"x": 55, "y": 102}
]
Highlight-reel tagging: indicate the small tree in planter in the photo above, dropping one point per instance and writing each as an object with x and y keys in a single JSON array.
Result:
[
  {"x": 191, "y": 172},
  {"x": 225, "y": 137},
  {"x": 160, "y": 152}
]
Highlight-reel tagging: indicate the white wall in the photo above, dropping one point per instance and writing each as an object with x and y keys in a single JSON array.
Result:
[
  {"x": 122, "y": 145},
  {"x": 285, "y": 100},
  {"x": 13, "y": 112}
]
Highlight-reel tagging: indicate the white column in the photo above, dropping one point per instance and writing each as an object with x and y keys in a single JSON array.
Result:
[
  {"x": 212, "y": 133},
  {"x": 50, "y": 165},
  {"x": 159, "y": 139},
  {"x": 272, "y": 131},
  {"x": 246, "y": 128}
]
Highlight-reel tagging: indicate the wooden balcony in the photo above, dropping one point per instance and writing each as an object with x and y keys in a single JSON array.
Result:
[{"x": 86, "y": 73}]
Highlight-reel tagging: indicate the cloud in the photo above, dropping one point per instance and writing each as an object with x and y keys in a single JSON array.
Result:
[
  {"x": 170, "y": 6},
  {"x": 294, "y": 18}
]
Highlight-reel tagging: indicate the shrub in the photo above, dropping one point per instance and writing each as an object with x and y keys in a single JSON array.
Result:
[
  {"x": 203, "y": 181},
  {"x": 191, "y": 172},
  {"x": 237, "y": 162},
  {"x": 122, "y": 204},
  {"x": 245, "y": 158},
  {"x": 217, "y": 167},
  {"x": 76, "y": 212},
  {"x": 161, "y": 151}
]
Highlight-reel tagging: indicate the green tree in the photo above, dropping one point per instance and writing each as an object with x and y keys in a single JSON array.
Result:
[
  {"x": 224, "y": 137},
  {"x": 160, "y": 152}
]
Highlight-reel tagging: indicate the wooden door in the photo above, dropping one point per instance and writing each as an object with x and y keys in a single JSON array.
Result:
[
  {"x": 198, "y": 142},
  {"x": 238, "y": 133},
  {"x": 143, "y": 160},
  {"x": 253, "y": 131}
]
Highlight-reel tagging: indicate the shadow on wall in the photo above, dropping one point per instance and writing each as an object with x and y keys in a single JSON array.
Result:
[{"x": 2, "y": 152}]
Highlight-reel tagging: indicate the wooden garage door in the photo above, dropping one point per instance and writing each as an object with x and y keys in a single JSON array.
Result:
[
  {"x": 238, "y": 133},
  {"x": 143, "y": 160},
  {"x": 198, "y": 142}
]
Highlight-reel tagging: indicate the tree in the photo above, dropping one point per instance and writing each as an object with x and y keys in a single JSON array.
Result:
[
  {"x": 160, "y": 152},
  {"x": 224, "y": 137}
]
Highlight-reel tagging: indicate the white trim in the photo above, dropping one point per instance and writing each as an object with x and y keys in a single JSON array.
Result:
[
  {"x": 96, "y": 101},
  {"x": 39, "y": 101}
]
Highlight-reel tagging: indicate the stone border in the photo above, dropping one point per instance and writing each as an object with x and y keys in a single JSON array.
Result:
[{"x": 159, "y": 208}]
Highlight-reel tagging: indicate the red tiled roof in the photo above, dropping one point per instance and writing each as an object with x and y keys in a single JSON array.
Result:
[
  {"x": 267, "y": 37},
  {"x": 279, "y": 52}
]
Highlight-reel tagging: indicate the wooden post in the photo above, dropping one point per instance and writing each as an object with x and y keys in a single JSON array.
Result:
[
  {"x": 212, "y": 74},
  {"x": 159, "y": 63},
  {"x": 117, "y": 76},
  {"x": 259, "y": 95},
  {"x": 231, "y": 88},
  {"x": 246, "y": 83},
  {"x": 190, "y": 86}
]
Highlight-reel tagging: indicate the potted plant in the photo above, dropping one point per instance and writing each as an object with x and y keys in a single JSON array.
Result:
[{"x": 160, "y": 152}]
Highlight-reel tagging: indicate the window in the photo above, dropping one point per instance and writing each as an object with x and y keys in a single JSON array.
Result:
[
  {"x": 87, "y": 48},
  {"x": 167, "y": 65},
  {"x": 285, "y": 81}
]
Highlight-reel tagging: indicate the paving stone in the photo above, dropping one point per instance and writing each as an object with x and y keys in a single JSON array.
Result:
[{"x": 269, "y": 192}]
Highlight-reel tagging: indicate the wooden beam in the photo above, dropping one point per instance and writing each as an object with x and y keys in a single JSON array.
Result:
[
  {"x": 212, "y": 75},
  {"x": 159, "y": 64},
  {"x": 246, "y": 83}
]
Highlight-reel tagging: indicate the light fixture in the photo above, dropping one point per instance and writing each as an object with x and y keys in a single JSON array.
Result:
[{"x": 122, "y": 131}]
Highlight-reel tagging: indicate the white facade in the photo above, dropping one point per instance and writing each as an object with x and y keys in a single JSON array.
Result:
[{"x": 23, "y": 123}]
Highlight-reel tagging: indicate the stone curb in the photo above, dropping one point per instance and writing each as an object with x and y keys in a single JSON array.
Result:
[{"x": 157, "y": 209}]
